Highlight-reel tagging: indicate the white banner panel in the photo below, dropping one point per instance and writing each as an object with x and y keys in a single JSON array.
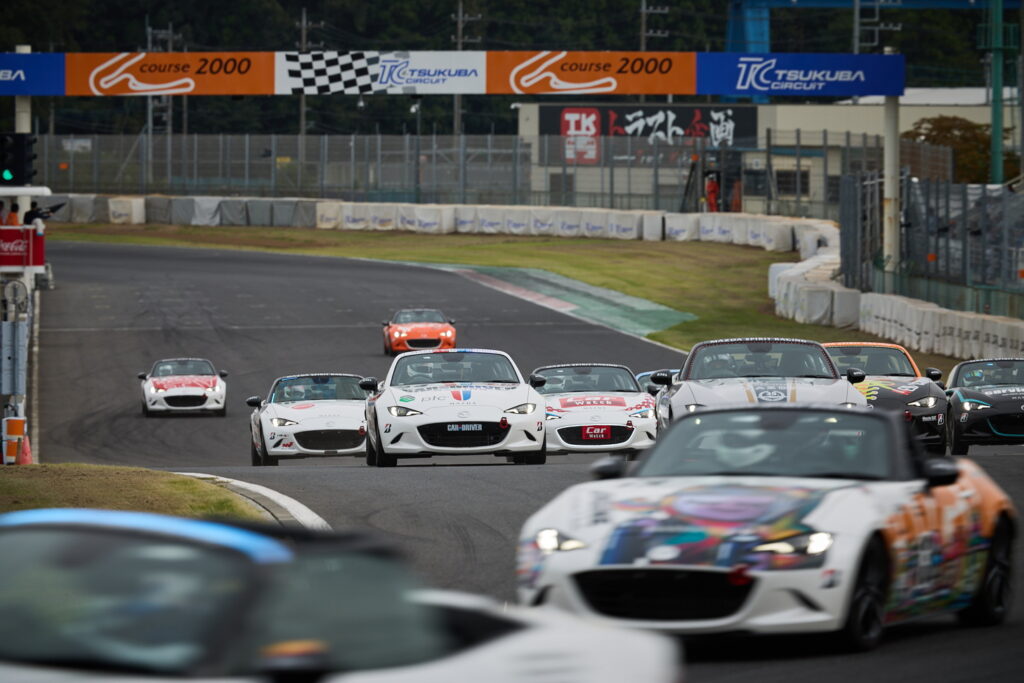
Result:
[
  {"x": 351, "y": 217},
  {"x": 466, "y": 219},
  {"x": 328, "y": 215},
  {"x": 127, "y": 210},
  {"x": 542, "y": 221},
  {"x": 567, "y": 223},
  {"x": 517, "y": 220},
  {"x": 653, "y": 226},
  {"x": 382, "y": 216},
  {"x": 625, "y": 225},
  {"x": 491, "y": 219},
  {"x": 594, "y": 223},
  {"x": 682, "y": 227},
  {"x": 333, "y": 72},
  {"x": 406, "y": 217}
]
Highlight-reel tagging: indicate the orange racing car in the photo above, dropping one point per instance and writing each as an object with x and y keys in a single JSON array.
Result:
[{"x": 414, "y": 329}]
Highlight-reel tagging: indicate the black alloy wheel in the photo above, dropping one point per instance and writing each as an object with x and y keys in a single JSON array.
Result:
[
  {"x": 268, "y": 460},
  {"x": 371, "y": 452},
  {"x": 865, "y": 617},
  {"x": 956, "y": 444},
  {"x": 255, "y": 455},
  {"x": 384, "y": 459},
  {"x": 991, "y": 604}
]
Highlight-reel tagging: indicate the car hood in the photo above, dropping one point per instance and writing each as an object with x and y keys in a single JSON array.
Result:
[
  {"x": 420, "y": 328},
  {"x": 882, "y": 389},
  {"x": 314, "y": 412},
  {"x": 773, "y": 390},
  {"x": 574, "y": 404},
  {"x": 426, "y": 397},
  {"x": 710, "y": 521},
  {"x": 997, "y": 392},
  {"x": 184, "y": 382}
]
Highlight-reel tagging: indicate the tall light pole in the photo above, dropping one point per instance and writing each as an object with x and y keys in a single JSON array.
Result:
[
  {"x": 461, "y": 19},
  {"x": 417, "y": 108},
  {"x": 997, "y": 49}
]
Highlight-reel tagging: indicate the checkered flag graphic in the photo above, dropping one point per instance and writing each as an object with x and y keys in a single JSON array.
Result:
[{"x": 330, "y": 72}]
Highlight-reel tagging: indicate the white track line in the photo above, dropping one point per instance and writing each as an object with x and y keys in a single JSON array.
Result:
[{"x": 302, "y": 514}]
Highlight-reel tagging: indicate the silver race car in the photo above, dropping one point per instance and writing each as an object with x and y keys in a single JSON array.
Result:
[{"x": 183, "y": 385}]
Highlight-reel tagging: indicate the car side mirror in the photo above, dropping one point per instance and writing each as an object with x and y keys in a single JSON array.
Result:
[
  {"x": 949, "y": 392},
  {"x": 451, "y": 321},
  {"x": 537, "y": 381},
  {"x": 855, "y": 375},
  {"x": 368, "y": 384},
  {"x": 254, "y": 401},
  {"x": 608, "y": 467},
  {"x": 934, "y": 374},
  {"x": 662, "y": 377},
  {"x": 223, "y": 373},
  {"x": 941, "y": 385},
  {"x": 653, "y": 389},
  {"x": 384, "y": 323},
  {"x": 142, "y": 375},
  {"x": 941, "y": 472}
]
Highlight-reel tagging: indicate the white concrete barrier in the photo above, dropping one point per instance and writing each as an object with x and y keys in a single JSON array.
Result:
[
  {"x": 328, "y": 215},
  {"x": 127, "y": 210}
]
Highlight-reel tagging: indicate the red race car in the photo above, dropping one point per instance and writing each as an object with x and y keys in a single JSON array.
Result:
[{"x": 413, "y": 329}]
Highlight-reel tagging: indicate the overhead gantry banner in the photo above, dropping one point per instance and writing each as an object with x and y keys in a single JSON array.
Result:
[{"x": 369, "y": 72}]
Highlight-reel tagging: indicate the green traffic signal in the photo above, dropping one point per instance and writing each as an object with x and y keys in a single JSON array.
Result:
[{"x": 7, "y": 175}]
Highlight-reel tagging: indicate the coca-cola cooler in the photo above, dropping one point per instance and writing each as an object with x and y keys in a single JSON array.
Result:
[{"x": 22, "y": 249}]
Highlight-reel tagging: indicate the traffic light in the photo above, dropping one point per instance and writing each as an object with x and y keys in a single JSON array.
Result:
[{"x": 17, "y": 158}]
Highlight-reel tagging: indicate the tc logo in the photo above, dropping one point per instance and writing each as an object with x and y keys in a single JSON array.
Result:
[
  {"x": 754, "y": 73},
  {"x": 392, "y": 72}
]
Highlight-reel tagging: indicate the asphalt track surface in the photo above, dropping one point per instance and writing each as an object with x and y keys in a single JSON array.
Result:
[{"x": 116, "y": 309}]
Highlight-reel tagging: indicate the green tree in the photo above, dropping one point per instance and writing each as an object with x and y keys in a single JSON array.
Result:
[{"x": 971, "y": 144}]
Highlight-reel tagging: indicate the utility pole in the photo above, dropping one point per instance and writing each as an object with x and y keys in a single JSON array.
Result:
[
  {"x": 461, "y": 19},
  {"x": 159, "y": 108},
  {"x": 644, "y": 33},
  {"x": 304, "y": 45},
  {"x": 997, "y": 49}
]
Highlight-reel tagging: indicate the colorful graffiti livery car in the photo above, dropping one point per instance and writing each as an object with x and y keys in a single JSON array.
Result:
[
  {"x": 776, "y": 519},
  {"x": 986, "y": 403},
  {"x": 454, "y": 402},
  {"x": 895, "y": 383}
]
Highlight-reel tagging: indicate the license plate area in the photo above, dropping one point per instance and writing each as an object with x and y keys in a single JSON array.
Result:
[
  {"x": 465, "y": 427},
  {"x": 596, "y": 432}
]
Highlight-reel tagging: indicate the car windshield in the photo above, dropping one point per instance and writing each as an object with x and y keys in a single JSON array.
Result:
[
  {"x": 759, "y": 359},
  {"x": 424, "y": 315},
  {"x": 782, "y": 443},
  {"x": 114, "y": 601},
  {"x": 988, "y": 373},
  {"x": 587, "y": 378},
  {"x": 461, "y": 366},
  {"x": 873, "y": 360},
  {"x": 317, "y": 388},
  {"x": 355, "y": 610},
  {"x": 186, "y": 366}
]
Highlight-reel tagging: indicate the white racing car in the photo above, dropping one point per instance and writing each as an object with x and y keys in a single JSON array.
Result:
[
  {"x": 776, "y": 519},
  {"x": 308, "y": 416},
  {"x": 754, "y": 370},
  {"x": 184, "y": 385},
  {"x": 454, "y": 402},
  {"x": 596, "y": 407}
]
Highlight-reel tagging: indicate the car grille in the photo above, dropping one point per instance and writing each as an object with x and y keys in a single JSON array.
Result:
[
  {"x": 185, "y": 401},
  {"x": 423, "y": 343},
  {"x": 329, "y": 439},
  {"x": 662, "y": 594},
  {"x": 1007, "y": 425},
  {"x": 438, "y": 435},
  {"x": 574, "y": 436}
]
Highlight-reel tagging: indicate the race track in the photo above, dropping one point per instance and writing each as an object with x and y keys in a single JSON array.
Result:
[{"x": 259, "y": 316}]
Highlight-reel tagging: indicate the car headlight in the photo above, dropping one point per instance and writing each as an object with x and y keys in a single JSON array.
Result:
[
  {"x": 552, "y": 416},
  {"x": 522, "y": 409},
  {"x": 397, "y": 335},
  {"x": 550, "y": 540},
  {"x": 282, "y": 422},
  {"x": 156, "y": 391},
  {"x": 972, "y": 404},
  {"x": 402, "y": 411},
  {"x": 692, "y": 407},
  {"x": 644, "y": 414},
  {"x": 926, "y": 402},
  {"x": 804, "y": 544},
  {"x": 447, "y": 333}
]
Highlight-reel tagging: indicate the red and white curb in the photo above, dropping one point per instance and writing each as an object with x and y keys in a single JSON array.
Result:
[{"x": 284, "y": 508}]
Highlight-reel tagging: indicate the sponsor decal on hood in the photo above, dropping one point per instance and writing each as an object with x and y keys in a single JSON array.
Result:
[
  {"x": 185, "y": 382},
  {"x": 872, "y": 387},
  {"x": 1001, "y": 390},
  {"x": 591, "y": 401},
  {"x": 462, "y": 394}
]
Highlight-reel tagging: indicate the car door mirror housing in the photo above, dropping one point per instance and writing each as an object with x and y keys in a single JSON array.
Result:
[
  {"x": 142, "y": 375},
  {"x": 941, "y": 385},
  {"x": 608, "y": 467},
  {"x": 653, "y": 389},
  {"x": 662, "y": 377},
  {"x": 451, "y": 321},
  {"x": 537, "y": 381},
  {"x": 934, "y": 374},
  {"x": 855, "y": 375},
  {"x": 384, "y": 323},
  {"x": 223, "y": 373},
  {"x": 941, "y": 472},
  {"x": 368, "y": 384},
  {"x": 254, "y": 401}
]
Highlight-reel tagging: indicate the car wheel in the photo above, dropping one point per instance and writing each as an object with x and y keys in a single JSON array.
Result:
[
  {"x": 539, "y": 457},
  {"x": 387, "y": 348},
  {"x": 865, "y": 617},
  {"x": 256, "y": 460},
  {"x": 268, "y": 460},
  {"x": 145, "y": 410},
  {"x": 991, "y": 604},
  {"x": 371, "y": 452},
  {"x": 384, "y": 459},
  {"x": 222, "y": 412},
  {"x": 956, "y": 444}
]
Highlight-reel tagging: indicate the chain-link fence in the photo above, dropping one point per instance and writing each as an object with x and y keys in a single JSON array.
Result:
[
  {"x": 961, "y": 246},
  {"x": 792, "y": 172}
]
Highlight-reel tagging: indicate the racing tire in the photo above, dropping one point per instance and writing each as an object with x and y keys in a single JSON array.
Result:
[
  {"x": 387, "y": 350},
  {"x": 371, "y": 452},
  {"x": 538, "y": 458},
  {"x": 256, "y": 460},
  {"x": 221, "y": 412},
  {"x": 384, "y": 459},
  {"x": 267, "y": 459},
  {"x": 865, "y": 616},
  {"x": 991, "y": 604},
  {"x": 145, "y": 411},
  {"x": 956, "y": 445}
]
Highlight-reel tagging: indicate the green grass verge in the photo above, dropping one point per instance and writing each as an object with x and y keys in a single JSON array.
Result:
[
  {"x": 118, "y": 488},
  {"x": 724, "y": 285}
]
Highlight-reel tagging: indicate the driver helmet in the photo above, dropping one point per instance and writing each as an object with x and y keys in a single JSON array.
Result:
[
  {"x": 294, "y": 392},
  {"x": 974, "y": 377},
  {"x": 720, "y": 361}
]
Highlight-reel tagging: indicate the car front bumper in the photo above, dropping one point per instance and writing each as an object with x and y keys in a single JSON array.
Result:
[
  {"x": 424, "y": 435},
  {"x": 564, "y": 436},
  {"x": 184, "y": 401},
  {"x": 305, "y": 442}
]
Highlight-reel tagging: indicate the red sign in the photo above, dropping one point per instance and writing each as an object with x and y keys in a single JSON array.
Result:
[
  {"x": 581, "y": 132},
  {"x": 589, "y": 401},
  {"x": 596, "y": 432},
  {"x": 22, "y": 247}
]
